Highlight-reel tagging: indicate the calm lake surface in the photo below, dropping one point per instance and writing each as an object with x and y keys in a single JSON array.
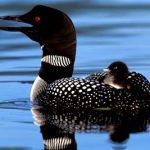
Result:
[{"x": 106, "y": 32}]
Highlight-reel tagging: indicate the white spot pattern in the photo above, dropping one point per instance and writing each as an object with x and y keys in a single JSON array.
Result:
[
  {"x": 83, "y": 93},
  {"x": 139, "y": 83}
]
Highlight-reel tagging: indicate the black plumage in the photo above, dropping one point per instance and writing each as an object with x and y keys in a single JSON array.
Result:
[{"x": 54, "y": 87}]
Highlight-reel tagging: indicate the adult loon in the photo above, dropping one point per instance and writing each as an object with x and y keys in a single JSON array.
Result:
[
  {"x": 54, "y": 88},
  {"x": 117, "y": 74}
]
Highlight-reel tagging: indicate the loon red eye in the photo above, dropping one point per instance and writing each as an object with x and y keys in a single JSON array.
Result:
[{"x": 37, "y": 19}]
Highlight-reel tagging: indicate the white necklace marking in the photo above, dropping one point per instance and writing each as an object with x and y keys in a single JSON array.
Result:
[{"x": 55, "y": 60}]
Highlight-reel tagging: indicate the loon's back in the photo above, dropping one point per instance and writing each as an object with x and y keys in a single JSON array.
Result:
[{"x": 77, "y": 93}]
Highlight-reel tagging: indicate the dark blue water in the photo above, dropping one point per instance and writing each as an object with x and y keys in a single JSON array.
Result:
[{"x": 106, "y": 31}]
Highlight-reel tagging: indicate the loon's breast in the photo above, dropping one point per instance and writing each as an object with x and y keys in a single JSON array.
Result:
[{"x": 38, "y": 87}]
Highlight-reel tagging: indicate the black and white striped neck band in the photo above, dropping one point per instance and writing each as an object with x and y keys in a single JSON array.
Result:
[{"x": 55, "y": 60}]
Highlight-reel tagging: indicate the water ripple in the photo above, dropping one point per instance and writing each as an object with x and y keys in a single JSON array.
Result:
[{"x": 15, "y": 104}]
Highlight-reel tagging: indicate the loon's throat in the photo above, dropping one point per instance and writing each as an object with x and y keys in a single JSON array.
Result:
[
  {"x": 58, "y": 58},
  {"x": 55, "y": 67}
]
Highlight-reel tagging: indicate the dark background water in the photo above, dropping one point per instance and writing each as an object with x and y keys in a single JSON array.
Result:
[{"x": 106, "y": 31}]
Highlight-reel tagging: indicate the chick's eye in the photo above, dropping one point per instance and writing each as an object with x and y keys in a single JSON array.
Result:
[
  {"x": 115, "y": 68},
  {"x": 37, "y": 19}
]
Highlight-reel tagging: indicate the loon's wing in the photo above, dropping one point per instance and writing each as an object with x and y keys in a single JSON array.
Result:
[
  {"x": 98, "y": 76},
  {"x": 71, "y": 93},
  {"x": 139, "y": 85}
]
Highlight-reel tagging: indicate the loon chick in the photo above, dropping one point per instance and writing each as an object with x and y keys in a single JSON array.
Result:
[
  {"x": 54, "y": 88},
  {"x": 117, "y": 74}
]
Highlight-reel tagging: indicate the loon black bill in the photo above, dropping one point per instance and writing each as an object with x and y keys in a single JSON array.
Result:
[
  {"x": 12, "y": 18},
  {"x": 15, "y": 18}
]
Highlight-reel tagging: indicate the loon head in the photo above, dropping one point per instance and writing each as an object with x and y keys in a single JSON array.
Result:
[
  {"x": 56, "y": 34},
  {"x": 117, "y": 74}
]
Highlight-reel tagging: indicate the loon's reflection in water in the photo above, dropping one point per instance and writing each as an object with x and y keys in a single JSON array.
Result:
[{"x": 58, "y": 128}]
